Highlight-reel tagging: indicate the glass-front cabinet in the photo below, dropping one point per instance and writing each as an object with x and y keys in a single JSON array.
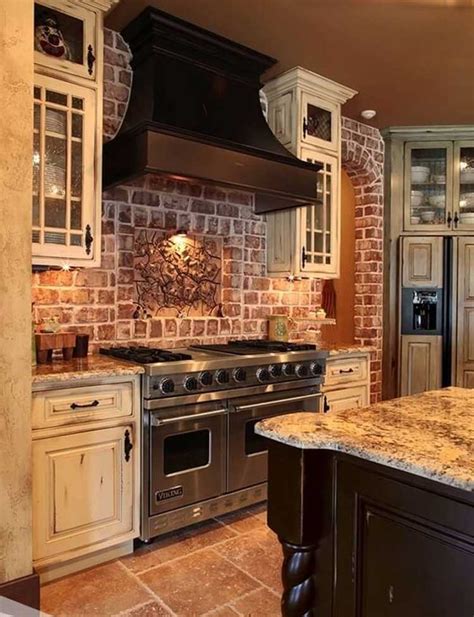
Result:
[
  {"x": 439, "y": 186},
  {"x": 318, "y": 223},
  {"x": 66, "y": 37},
  {"x": 63, "y": 169},
  {"x": 67, "y": 132}
]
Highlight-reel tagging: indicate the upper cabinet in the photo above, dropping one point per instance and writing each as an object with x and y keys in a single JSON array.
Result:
[
  {"x": 67, "y": 131},
  {"x": 430, "y": 179},
  {"x": 304, "y": 112}
]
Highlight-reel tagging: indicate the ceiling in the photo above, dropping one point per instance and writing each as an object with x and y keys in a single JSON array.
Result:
[{"x": 412, "y": 60}]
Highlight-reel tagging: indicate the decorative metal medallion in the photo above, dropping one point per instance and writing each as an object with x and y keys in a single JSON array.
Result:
[{"x": 178, "y": 275}]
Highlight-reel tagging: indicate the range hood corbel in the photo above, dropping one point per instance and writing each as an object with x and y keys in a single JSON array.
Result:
[{"x": 195, "y": 113}]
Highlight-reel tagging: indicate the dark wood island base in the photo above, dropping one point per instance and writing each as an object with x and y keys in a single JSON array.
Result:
[{"x": 363, "y": 539}]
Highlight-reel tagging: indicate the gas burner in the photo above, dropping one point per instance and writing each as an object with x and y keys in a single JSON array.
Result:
[{"x": 145, "y": 355}]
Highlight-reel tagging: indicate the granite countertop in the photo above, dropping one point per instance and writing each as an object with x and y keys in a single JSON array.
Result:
[
  {"x": 429, "y": 435},
  {"x": 82, "y": 368}
]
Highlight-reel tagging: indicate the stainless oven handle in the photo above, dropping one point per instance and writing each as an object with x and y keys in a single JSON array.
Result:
[
  {"x": 290, "y": 399},
  {"x": 196, "y": 416}
]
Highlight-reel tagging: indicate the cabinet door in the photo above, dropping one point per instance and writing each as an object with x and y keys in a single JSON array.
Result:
[
  {"x": 64, "y": 171},
  {"x": 281, "y": 243},
  {"x": 319, "y": 225},
  {"x": 346, "y": 398},
  {"x": 66, "y": 37},
  {"x": 422, "y": 262},
  {"x": 320, "y": 122},
  {"x": 421, "y": 358},
  {"x": 428, "y": 199},
  {"x": 82, "y": 491},
  {"x": 465, "y": 314},
  {"x": 463, "y": 185},
  {"x": 280, "y": 117}
]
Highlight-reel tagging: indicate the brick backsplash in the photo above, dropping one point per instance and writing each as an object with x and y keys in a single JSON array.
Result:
[{"x": 100, "y": 301}]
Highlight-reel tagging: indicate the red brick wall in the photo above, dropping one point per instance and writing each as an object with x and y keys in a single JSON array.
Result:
[{"x": 99, "y": 301}]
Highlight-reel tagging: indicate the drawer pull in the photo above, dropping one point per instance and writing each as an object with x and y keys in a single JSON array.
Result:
[
  {"x": 127, "y": 445},
  {"x": 347, "y": 370},
  {"x": 79, "y": 406}
]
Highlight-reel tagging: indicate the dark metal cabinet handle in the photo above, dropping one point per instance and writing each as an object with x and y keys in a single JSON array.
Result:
[
  {"x": 303, "y": 258},
  {"x": 305, "y": 128},
  {"x": 449, "y": 219},
  {"x": 89, "y": 239},
  {"x": 86, "y": 406},
  {"x": 456, "y": 219},
  {"x": 326, "y": 406},
  {"x": 90, "y": 59},
  {"x": 127, "y": 445},
  {"x": 346, "y": 370}
]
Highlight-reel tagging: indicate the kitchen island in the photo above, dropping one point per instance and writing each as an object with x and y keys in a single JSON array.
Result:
[{"x": 375, "y": 507}]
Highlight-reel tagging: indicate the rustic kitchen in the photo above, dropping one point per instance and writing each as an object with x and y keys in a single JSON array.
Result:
[{"x": 235, "y": 316}]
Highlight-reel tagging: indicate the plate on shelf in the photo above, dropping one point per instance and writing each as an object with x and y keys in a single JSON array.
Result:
[{"x": 467, "y": 176}]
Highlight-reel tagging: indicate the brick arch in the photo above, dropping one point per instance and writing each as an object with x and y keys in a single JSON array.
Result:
[{"x": 362, "y": 159}]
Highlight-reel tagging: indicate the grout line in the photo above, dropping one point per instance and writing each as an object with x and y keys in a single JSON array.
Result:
[{"x": 161, "y": 602}]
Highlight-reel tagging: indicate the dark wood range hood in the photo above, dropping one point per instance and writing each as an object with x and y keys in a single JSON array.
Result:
[{"x": 195, "y": 113}]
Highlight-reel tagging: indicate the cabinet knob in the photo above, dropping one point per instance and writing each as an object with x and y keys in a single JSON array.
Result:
[
  {"x": 456, "y": 219},
  {"x": 449, "y": 218},
  {"x": 90, "y": 59},
  {"x": 127, "y": 445},
  {"x": 326, "y": 406},
  {"x": 89, "y": 240},
  {"x": 305, "y": 127},
  {"x": 303, "y": 258}
]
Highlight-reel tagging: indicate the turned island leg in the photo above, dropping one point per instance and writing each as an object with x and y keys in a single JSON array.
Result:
[{"x": 298, "y": 574}]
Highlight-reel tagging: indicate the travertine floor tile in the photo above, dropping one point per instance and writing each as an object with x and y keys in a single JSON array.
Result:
[
  {"x": 243, "y": 521},
  {"x": 259, "y": 603},
  {"x": 198, "y": 583},
  {"x": 177, "y": 544},
  {"x": 104, "y": 590},
  {"x": 151, "y": 609}
]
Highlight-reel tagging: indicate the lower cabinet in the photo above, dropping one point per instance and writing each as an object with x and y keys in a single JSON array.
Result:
[
  {"x": 86, "y": 476},
  {"x": 82, "y": 490},
  {"x": 420, "y": 364},
  {"x": 346, "y": 398},
  {"x": 347, "y": 384}
]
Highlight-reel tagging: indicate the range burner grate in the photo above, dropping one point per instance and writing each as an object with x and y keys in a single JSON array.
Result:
[{"x": 145, "y": 355}]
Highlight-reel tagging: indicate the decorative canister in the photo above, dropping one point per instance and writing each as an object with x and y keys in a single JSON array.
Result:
[{"x": 278, "y": 328}]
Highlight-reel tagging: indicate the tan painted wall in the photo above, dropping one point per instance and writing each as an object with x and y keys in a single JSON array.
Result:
[
  {"x": 16, "y": 77},
  {"x": 343, "y": 331}
]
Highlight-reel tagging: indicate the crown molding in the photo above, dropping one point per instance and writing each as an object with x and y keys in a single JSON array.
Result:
[{"x": 98, "y": 5}]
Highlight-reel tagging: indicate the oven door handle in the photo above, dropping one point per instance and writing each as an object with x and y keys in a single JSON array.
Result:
[
  {"x": 196, "y": 416},
  {"x": 290, "y": 399}
]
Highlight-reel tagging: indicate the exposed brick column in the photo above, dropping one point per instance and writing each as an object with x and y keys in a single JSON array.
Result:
[
  {"x": 362, "y": 158},
  {"x": 117, "y": 82}
]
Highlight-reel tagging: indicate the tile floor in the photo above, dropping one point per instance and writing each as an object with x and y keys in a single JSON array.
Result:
[{"x": 221, "y": 568}]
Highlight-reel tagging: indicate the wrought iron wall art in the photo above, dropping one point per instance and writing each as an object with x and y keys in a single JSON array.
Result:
[{"x": 178, "y": 275}]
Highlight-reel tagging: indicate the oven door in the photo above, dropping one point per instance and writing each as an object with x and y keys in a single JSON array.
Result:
[
  {"x": 247, "y": 452},
  {"x": 187, "y": 456}
]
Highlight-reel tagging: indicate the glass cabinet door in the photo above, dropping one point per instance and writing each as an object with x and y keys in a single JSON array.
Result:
[
  {"x": 65, "y": 37},
  {"x": 63, "y": 170},
  {"x": 463, "y": 185},
  {"x": 428, "y": 186},
  {"x": 319, "y": 237},
  {"x": 320, "y": 122}
]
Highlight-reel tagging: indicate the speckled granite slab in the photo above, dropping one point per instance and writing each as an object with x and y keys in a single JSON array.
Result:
[
  {"x": 344, "y": 350},
  {"x": 430, "y": 434},
  {"x": 82, "y": 368}
]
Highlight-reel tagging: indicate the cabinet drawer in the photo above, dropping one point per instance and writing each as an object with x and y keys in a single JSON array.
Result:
[
  {"x": 82, "y": 404},
  {"x": 347, "y": 398},
  {"x": 346, "y": 370}
]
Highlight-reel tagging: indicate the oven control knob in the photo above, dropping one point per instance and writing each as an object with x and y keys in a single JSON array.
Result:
[
  {"x": 239, "y": 375},
  {"x": 263, "y": 374},
  {"x": 206, "y": 378},
  {"x": 288, "y": 370},
  {"x": 275, "y": 370},
  {"x": 222, "y": 376},
  {"x": 317, "y": 368},
  {"x": 301, "y": 370},
  {"x": 190, "y": 384},
  {"x": 167, "y": 386}
]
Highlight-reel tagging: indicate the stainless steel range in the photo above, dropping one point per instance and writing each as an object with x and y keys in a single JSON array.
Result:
[{"x": 201, "y": 456}]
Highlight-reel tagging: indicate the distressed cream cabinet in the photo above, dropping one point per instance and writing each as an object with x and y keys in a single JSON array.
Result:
[
  {"x": 67, "y": 132},
  {"x": 347, "y": 382},
  {"x": 304, "y": 112},
  {"x": 86, "y": 460}
]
